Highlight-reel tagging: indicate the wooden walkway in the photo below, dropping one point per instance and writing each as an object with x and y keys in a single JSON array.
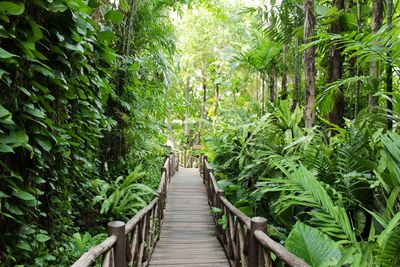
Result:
[{"x": 188, "y": 232}]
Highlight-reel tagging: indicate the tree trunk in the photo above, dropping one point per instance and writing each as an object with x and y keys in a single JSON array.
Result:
[
  {"x": 204, "y": 111},
  {"x": 336, "y": 70},
  {"x": 272, "y": 86},
  {"x": 284, "y": 74},
  {"x": 389, "y": 70},
  {"x": 186, "y": 124},
  {"x": 263, "y": 94},
  {"x": 296, "y": 86},
  {"x": 171, "y": 132},
  {"x": 358, "y": 84},
  {"x": 126, "y": 28},
  {"x": 377, "y": 11},
  {"x": 216, "y": 99},
  {"x": 257, "y": 88},
  {"x": 309, "y": 64}
]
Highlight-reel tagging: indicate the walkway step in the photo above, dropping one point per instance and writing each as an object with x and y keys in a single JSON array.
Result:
[{"x": 188, "y": 233}]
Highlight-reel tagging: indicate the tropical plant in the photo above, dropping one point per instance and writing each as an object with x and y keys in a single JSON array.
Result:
[{"x": 123, "y": 197}]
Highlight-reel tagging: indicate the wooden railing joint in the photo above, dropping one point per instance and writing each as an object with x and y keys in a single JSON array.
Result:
[
  {"x": 244, "y": 239},
  {"x": 132, "y": 243}
]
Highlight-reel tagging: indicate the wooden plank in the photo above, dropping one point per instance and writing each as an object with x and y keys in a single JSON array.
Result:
[{"x": 188, "y": 235}]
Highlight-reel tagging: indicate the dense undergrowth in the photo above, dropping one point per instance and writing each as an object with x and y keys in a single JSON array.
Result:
[
  {"x": 90, "y": 90},
  {"x": 330, "y": 193},
  {"x": 297, "y": 104},
  {"x": 81, "y": 115}
]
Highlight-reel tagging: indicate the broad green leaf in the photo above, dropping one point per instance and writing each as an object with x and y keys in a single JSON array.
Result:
[
  {"x": 24, "y": 245},
  {"x": 392, "y": 224},
  {"x": 13, "y": 208},
  {"x": 37, "y": 32},
  {"x": 36, "y": 112},
  {"x": 4, "y": 54},
  {"x": 2, "y": 72},
  {"x": 78, "y": 5},
  {"x": 44, "y": 143},
  {"x": 58, "y": 7},
  {"x": 114, "y": 16},
  {"x": 105, "y": 35},
  {"x": 93, "y": 3},
  {"x": 42, "y": 238},
  {"x": 215, "y": 210},
  {"x": 46, "y": 71},
  {"x": 5, "y": 116},
  {"x": 4, "y": 112},
  {"x": 315, "y": 247},
  {"x": 15, "y": 139},
  {"x": 349, "y": 21},
  {"x": 6, "y": 148},
  {"x": 24, "y": 195},
  {"x": 12, "y": 8},
  {"x": 224, "y": 184}
]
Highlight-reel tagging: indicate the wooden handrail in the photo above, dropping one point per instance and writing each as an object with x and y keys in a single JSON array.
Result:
[
  {"x": 279, "y": 250},
  {"x": 242, "y": 237},
  {"x": 88, "y": 258},
  {"x": 138, "y": 217},
  {"x": 132, "y": 243},
  {"x": 238, "y": 213},
  {"x": 185, "y": 160}
]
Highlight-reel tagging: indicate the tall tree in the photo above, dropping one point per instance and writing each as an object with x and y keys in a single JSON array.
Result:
[
  {"x": 297, "y": 74},
  {"x": 336, "y": 60},
  {"x": 284, "y": 72},
  {"x": 389, "y": 69},
  {"x": 309, "y": 64},
  {"x": 263, "y": 94},
  {"x": 272, "y": 93},
  {"x": 358, "y": 70},
  {"x": 377, "y": 16}
]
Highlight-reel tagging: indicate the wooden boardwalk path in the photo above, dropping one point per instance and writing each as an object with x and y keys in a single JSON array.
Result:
[{"x": 188, "y": 233}]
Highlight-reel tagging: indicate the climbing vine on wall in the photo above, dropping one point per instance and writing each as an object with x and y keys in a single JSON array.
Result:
[{"x": 68, "y": 116}]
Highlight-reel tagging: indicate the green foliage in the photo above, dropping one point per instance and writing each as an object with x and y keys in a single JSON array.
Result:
[
  {"x": 316, "y": 248},
  {"x": 389, "y": 243},
  {"x": 331, "y": 182},
  {"x": 301, "y": 188},
  {"x": 124, "y": 197},
  {"x": 77, "y": 111},
  {"x": 338, "y": 184}
]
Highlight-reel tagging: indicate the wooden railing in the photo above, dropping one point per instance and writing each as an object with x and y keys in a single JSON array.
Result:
[
  {"x": 133, "y": 242},
  {"x": 243, "y": 238},
  {"x": 186, "y": 159}
]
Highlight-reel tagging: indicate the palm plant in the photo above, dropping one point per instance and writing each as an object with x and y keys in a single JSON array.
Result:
[
  {"x": 123, "y": 197},
  {"x": 346, "y": 196}
]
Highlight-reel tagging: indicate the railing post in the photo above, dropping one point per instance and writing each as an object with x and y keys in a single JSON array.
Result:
[
  {"x": 256, "y": 223},
  {"x": 218, "y": 204},
  {"x": 201, "y": 162},
  {"x": 184, "y": 157},
  {"x": 178, "y": 160},
  {"x": 117, "y": 228},
  {"x": 173, "y": 163},
  {"x": 160, "y": 211},
  {"x": 210, "y": 186},
  {"x": 169, "y": 167},
  {"x": 164, "y": 176},
  {"x": 205, "y": 169}
]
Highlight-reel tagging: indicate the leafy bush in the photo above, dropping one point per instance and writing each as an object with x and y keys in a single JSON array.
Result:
[
  {"x": 75, "y": 108},
  {"x": 337, "y": 186}
]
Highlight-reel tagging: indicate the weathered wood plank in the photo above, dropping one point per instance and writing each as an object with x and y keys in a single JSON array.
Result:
[{"x": 188, "y": 235}]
